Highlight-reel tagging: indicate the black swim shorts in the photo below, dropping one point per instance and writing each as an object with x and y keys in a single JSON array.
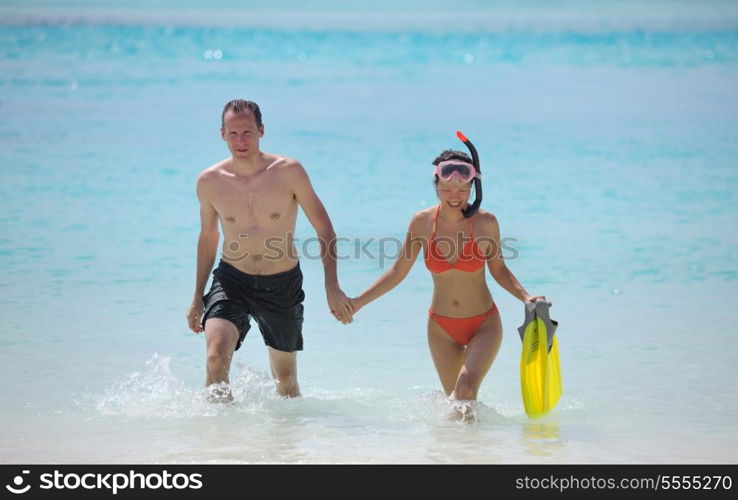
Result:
[{"x": 274, "y": 300}]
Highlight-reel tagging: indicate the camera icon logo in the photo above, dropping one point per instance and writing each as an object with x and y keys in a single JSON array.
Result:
[{"x": 18, "y": 482}]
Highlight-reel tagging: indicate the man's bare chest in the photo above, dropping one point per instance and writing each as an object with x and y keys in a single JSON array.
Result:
[{"x": 255, "y": 203}]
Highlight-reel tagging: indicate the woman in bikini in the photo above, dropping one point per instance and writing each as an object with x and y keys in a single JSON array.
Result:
[{"x": 464, "y": 327}]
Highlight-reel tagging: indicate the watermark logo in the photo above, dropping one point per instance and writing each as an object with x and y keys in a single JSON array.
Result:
[
  {"x": 382, "y": 250},
  {"x": 19, "y": 489},
  {"x": 114, "y": 482}
]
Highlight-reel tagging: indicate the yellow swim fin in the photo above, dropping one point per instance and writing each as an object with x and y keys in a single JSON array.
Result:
[{"x": 540, "y": 373}]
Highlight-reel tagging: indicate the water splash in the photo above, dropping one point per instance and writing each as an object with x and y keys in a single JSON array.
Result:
[
  {"x": 155, "y": 392},
  {"x": 435, "y": 407}
]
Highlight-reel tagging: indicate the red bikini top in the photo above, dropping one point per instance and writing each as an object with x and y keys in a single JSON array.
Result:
[{"x": 470, "y": 259}]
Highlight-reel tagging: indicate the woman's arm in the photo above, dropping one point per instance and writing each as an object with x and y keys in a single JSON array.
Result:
[
  {"x": 394, "y": 275},
  {"x": 497, "y": 266}
]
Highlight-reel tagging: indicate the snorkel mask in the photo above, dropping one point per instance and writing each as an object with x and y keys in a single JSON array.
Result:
[
  {"x": 457, "y": 170},
  {"x": 465, "y": 172}
]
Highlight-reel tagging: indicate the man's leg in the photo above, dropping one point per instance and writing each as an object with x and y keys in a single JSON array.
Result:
[
  {"x": 284, "y": 371},
  {"x": 221, "y": 336}
]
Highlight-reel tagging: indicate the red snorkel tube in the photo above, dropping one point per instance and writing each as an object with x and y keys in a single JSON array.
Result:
[{"x": 472, "y": 209}]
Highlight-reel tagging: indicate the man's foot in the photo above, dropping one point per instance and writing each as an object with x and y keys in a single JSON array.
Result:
[{"x": 220, "y": 393}]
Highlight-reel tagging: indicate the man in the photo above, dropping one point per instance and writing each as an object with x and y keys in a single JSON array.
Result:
[{"x": 255, "y": 195}]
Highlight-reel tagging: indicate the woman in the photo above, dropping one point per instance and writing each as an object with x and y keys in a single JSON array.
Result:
[{"x": 457, "y": 239}]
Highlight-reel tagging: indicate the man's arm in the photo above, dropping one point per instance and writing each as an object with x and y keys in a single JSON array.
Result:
[
  {"x": 207, "y": 248},
  {"x": 318, "y": 217}
]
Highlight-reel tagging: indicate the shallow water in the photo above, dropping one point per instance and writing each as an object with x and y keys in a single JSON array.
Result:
[{"x": 608, "y": 141}]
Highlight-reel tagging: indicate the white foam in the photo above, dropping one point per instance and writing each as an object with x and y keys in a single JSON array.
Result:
[{"x": 155, "y": 392}]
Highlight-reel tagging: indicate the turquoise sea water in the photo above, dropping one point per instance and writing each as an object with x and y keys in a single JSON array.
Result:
[{"x": 609, "y": 144}]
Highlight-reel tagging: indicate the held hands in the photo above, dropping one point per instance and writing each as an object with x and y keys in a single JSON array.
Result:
[
  {"x": 194, "y": 313},
  {"x": 339, "y": 304},
  {"x": 355, "y": 306}
]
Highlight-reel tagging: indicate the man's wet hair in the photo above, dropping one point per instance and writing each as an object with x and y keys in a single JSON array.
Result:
[{"x": 239, "y": 106}]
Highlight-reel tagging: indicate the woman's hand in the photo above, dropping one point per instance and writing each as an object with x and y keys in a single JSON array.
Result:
[
  {"x": 534, "y": 298},
  {"x": 356, "y": 304}
]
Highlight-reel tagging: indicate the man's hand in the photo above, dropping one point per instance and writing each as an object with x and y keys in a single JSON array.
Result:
[
  {"x": 194, "y": 313},
  {"x": 339, "y": 304}
]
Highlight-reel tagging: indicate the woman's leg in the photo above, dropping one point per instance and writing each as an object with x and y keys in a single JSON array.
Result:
[
  {"x": 480, "y": 353},
  {"x": 448, "y": 356}
]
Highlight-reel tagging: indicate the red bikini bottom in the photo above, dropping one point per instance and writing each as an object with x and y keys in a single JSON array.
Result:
[{"x": 461, "y": 330}]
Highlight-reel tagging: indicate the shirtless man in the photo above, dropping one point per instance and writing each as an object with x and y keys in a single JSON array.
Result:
[{"x": 255, "y": 195}]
